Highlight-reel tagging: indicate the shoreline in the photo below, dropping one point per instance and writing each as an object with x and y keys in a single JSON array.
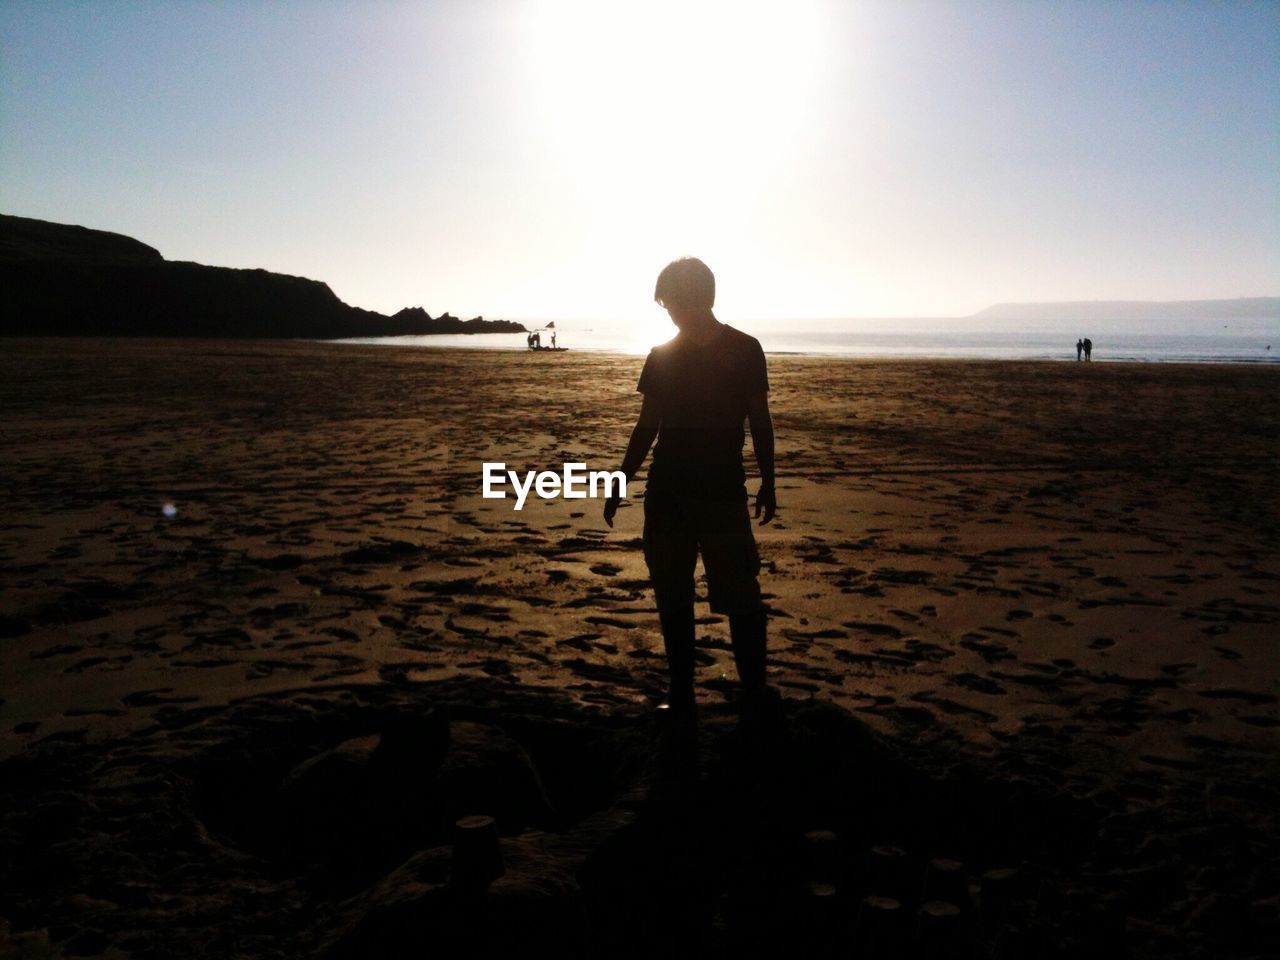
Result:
[
  {"x": 384, "y": 342},
  {"x": 914, "y": 353}
]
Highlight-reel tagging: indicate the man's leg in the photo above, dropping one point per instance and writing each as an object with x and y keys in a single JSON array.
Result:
[
  {"x": 677, "y": 637},
  {"x": 671, "y": 552},
  {"x": 732, "y": 560},
  {"x": 748, "y": 634}
]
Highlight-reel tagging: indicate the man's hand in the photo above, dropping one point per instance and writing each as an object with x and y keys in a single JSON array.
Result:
[
  {"x": 766, "y": 500},
  {"x": 611, "y": 508}
]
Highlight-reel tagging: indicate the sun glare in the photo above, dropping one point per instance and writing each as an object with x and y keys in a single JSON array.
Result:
[{"x": 670, "y": 117}]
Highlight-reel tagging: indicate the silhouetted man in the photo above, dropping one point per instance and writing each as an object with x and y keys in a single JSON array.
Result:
[
  {"x": 1079, "y": 349},
  {"x": 698, "y": 389},
  {"x": 1088, "y": 349}
]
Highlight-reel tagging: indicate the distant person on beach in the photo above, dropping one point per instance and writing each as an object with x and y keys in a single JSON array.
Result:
[
  {"x": 529, "y": 341},
  {"x": 1088, "y": 349},
  {"x": 553, "y": 339},
  {"x": 698, "y": 389},
  {"x": 1079, "y": 349}
]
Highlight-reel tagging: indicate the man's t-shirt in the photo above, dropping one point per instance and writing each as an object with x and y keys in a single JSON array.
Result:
[{"x": 702, "y": 391}]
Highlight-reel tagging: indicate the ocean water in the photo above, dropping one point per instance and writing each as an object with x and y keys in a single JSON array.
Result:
[{"x": 1249, "y": 342}]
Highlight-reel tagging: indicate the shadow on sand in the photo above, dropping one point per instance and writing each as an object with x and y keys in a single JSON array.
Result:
[{"x": 326, "y": 823}]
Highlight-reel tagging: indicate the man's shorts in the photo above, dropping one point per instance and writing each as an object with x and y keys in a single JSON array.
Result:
[{"x": 676, "y": 529}]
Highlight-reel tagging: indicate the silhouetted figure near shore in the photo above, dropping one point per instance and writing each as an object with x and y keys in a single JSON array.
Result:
[
  {"x": 553, "y": 339},
  {"x": 698, "y": 389},
  {"x": 1088, "y": 349},
  {"x": 1079, "y": 349}
]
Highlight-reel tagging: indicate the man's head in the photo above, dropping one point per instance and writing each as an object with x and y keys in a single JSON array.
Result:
[{"x": 686, "y": 285}]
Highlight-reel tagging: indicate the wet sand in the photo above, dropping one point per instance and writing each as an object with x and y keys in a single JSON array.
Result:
[{"x": 1024, "y": 615}]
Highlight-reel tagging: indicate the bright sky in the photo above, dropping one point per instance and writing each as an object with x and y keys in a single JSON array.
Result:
[{"x": 529, "y": 159}]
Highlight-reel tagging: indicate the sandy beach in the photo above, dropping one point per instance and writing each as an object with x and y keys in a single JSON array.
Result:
[{"x": 262, "y": 643}]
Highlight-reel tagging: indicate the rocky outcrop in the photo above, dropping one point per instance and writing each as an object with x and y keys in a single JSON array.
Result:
[
  {"x": 447, "y": 323},
  {"x": 60, "y": 280}
]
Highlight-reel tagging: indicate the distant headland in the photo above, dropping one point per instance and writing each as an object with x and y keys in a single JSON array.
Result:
[
  {"x": 1241, "y": 308},
  {"x": 62, "y": 280}
]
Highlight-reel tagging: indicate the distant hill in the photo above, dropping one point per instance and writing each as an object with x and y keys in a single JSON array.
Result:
[
  {"x": 1243, "y": 308},
  {"x": 62, "y": 280}
]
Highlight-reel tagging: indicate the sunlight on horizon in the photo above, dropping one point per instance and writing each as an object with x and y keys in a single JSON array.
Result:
[{"x": 672, "y": 121}]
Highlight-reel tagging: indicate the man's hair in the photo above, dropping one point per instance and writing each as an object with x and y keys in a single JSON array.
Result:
[{"x": 686, "y": 281}]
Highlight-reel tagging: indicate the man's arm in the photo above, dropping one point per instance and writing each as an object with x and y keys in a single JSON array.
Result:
[
  {"x": 642, "y": 436},
  {"x": 762, "y": 442}
]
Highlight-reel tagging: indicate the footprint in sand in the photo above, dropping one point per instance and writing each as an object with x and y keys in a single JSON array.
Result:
[
  {"x": 114, "y": 663},
  {"x": 265, "y": 668},
  {"x": 61, "y": 650},
  {"x": 879, "y": 629},
  {"x": 612, "y": 622},
  {"x": 953, "y": 708},
  {"x": 155, "y": 697},
  {"x": 581, "y": 642},
  {"x": 1247, "y": 696},
  {"x": 971, "y": 681},
  {"x": 597, "y": 671},
  {"x": 919, "y": 650},
  {"x": 990, "y": 650},
  {"x": 1268, "y": 722}
]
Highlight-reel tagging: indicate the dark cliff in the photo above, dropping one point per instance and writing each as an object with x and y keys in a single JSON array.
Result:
[{"x": 59, "y": 280}]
